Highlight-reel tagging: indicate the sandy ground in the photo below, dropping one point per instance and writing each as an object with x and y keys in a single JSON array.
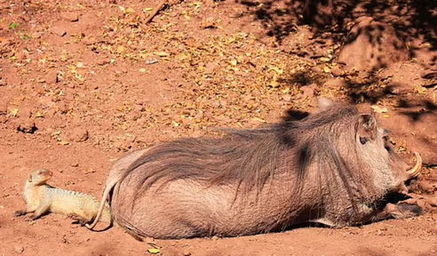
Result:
[{"x": 83, "y": 82}]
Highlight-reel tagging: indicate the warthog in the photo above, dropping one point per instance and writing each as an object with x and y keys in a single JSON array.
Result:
[{"x": 334, "y": 167}]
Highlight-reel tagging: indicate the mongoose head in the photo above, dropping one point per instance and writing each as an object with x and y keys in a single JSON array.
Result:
[{"x": 39, "y": 177}]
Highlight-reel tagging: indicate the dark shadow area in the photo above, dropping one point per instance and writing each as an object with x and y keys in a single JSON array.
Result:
[
  {"x": 360, "y": 91},
  {"x": 395, "y": 198},
  {"x": 299, "y": 78},
  {"x": 389, "y": 31},
  {"x": 279, "y": 22},
  {"x": 295, "y": 115},
  {"x": 371, "y": 34},
  {"x": 426, "y": 108},
  {"x": 31, "y": 129},
  {"x": 411, "y": 18}
]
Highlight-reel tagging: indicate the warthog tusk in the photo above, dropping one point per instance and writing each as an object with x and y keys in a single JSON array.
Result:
[{"x": 415, "y": 171}]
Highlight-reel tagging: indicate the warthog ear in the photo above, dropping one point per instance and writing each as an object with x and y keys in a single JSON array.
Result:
[
  {"x": 367, "y": 128},
  {"x": 324, "y": 103}
]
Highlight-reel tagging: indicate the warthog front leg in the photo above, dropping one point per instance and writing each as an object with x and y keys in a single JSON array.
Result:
[{"x": 398, "y": 211}]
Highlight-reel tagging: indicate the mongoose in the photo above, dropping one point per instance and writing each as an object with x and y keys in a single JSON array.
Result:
[{"x": 42, "y": 198}]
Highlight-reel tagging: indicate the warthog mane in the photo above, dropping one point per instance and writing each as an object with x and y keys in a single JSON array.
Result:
[{"x": 251, "y": 157}]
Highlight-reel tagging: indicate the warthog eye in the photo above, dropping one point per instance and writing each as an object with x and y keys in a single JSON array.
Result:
[
  {"x": 387, "y": 143},
  {"x": 363, "y": 140}
]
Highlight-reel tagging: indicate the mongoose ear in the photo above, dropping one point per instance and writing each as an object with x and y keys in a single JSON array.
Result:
[
  {"x": 367, "y": 128},
  {"x": 324, "y": 103},
  {"x": 30, "y": 178}
]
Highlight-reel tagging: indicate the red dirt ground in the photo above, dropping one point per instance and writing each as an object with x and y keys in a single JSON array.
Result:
[{"x": 83, "y": 82}]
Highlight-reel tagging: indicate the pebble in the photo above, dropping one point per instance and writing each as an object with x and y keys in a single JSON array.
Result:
[
  {"x": 58, "y": 30},
  {"x": 19, "y": 249},
  {"x": 70, "y": 16}
]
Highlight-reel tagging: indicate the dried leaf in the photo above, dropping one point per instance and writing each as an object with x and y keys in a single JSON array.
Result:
[
  {"x": 277, "y": 70},
  {"x": 38, "y": 114},
  {"x": 121, "y": 49},
  {"x": 379, "y": 109},
  {"x": 13, "y": 112},
  {"x": 420, "y": 89},
  {"x": 122, "y": 8},
  {"x": 274, "y": 84},
  {"x": 259, "y": 120},
  {"x": 24, "y": 36},
  {"x": 153, "y": 251},
  {"x": 161, "y": 54},
  {"x": 326, "y": 69},
  {"x": 129, "y": 10},
  {"x": 13, "y": 26}
]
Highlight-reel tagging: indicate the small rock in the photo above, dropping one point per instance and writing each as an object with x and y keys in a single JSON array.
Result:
[
  {"x": 398, "y": 90},
  {"x": 28, "y": 127},
  {"x": 208, "y": 23},
  {"x": 70, "y": 16},
  {"x": 52, "y": 77},
  {"x": 78, "y": 135},
  {"x": 308, "y": 91},
  {"x": 334, "y": 83},
  {"x": 210, "y": 68},
  {"x": 58, "y": 30},
  {"x": 19, "y": 249},
  {"x": 187, "y": 253},
  {"x": 2, "y": 82},
  {"x": 337, "y": 71},
  {"x": 103, "y": 61},
  {"x": 432, "y": 201},
  {"x": 151, "y": 61},
  {"x": 286, "y": 98}
]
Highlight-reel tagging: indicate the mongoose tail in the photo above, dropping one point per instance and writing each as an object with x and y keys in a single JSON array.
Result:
[{"x": 115, "y": 174}]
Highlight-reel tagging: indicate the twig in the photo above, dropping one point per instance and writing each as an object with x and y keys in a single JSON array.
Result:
[{"x": 156, "y": 10}]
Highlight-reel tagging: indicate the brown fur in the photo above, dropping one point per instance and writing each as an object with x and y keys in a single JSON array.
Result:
[{"x": 333, "y": 167}]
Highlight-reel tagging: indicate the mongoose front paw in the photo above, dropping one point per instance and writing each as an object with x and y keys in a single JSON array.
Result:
[{"x": 20, "y": 213}]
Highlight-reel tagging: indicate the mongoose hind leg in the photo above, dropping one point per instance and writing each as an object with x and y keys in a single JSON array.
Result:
[{"x": 79, "y": 219}]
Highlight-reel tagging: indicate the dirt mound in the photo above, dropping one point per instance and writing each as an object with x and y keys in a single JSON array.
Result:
[{"x": 372, "y": 45}]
